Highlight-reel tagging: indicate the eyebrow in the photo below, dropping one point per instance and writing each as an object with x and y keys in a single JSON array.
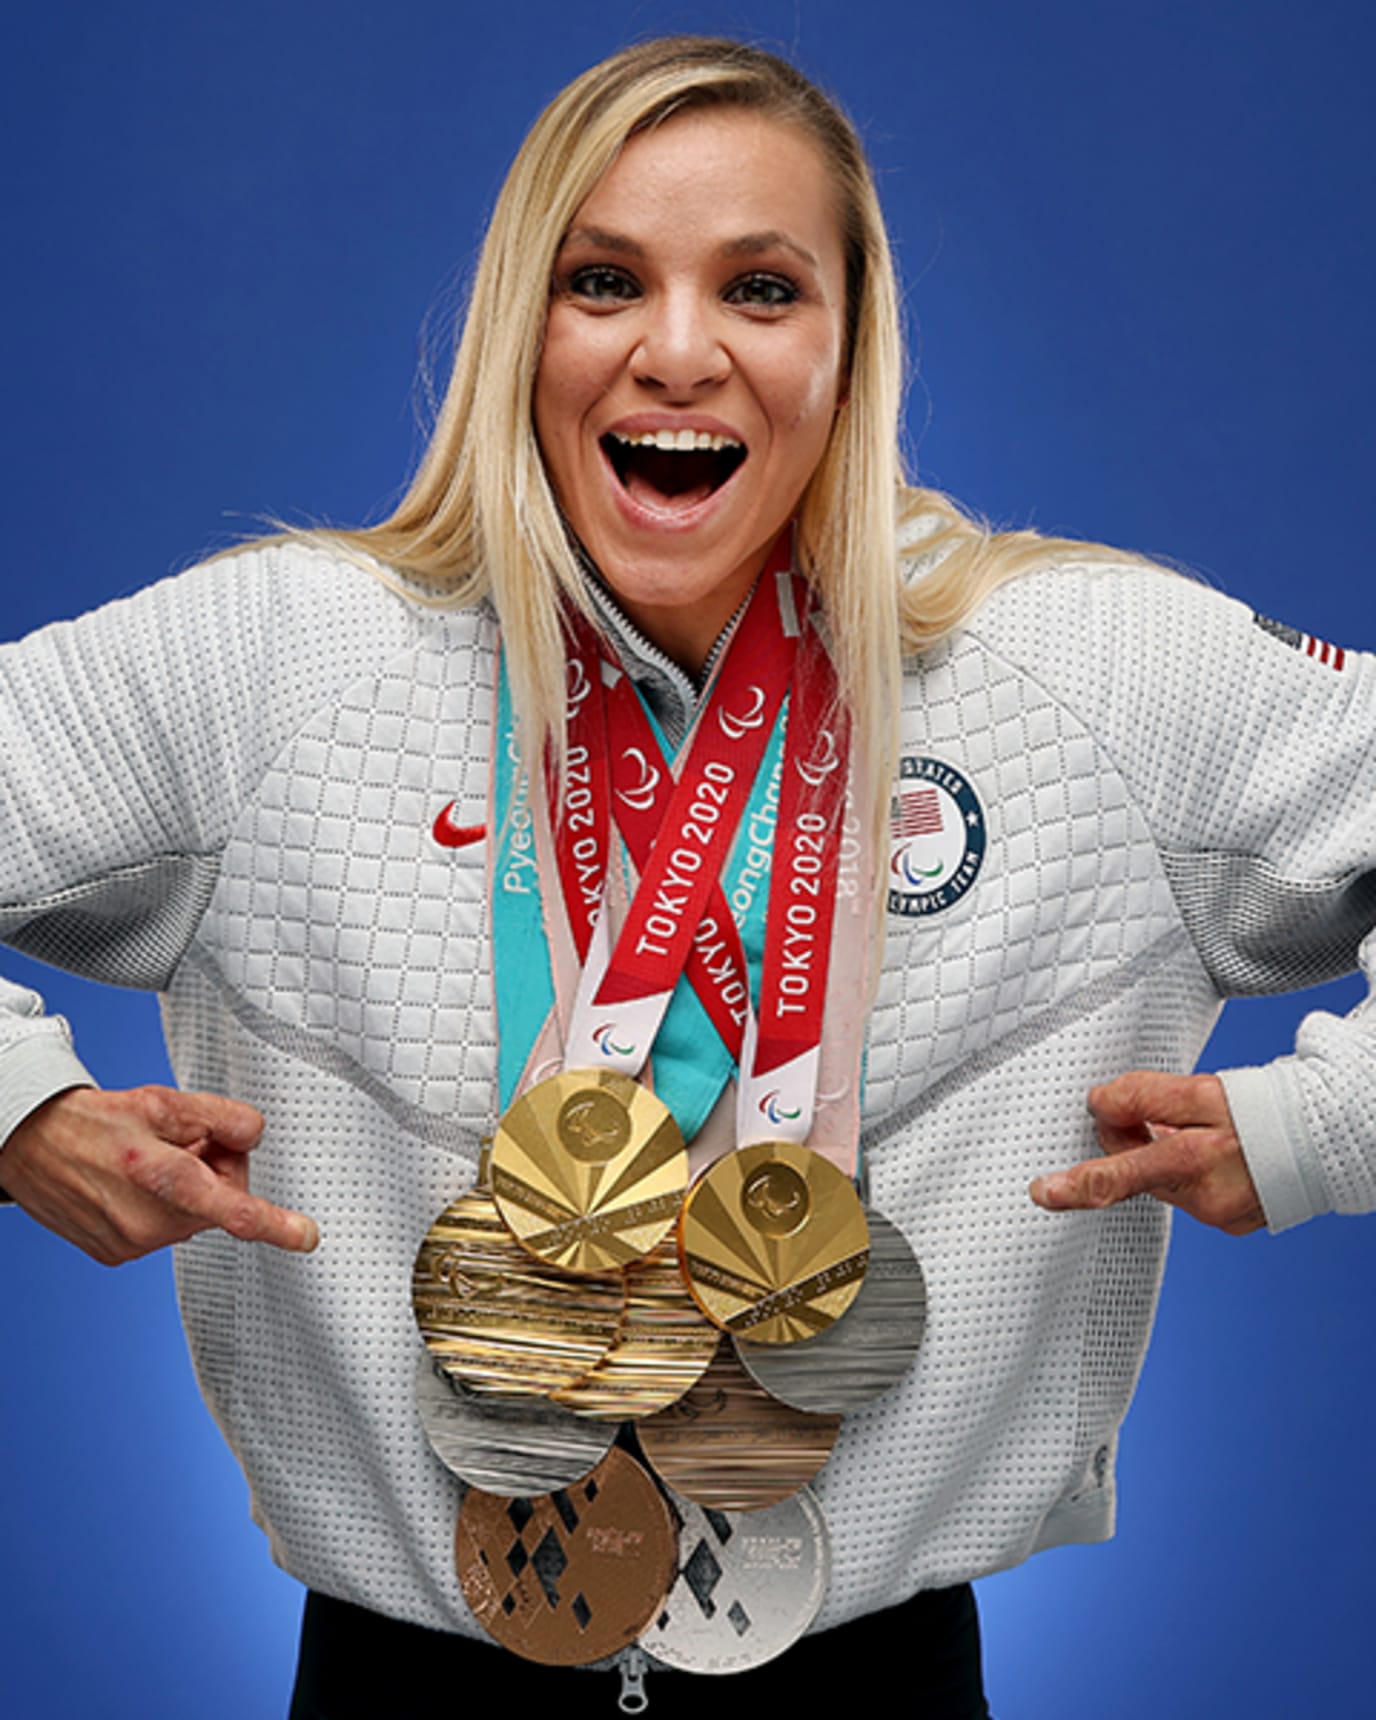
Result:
[
  {"x": 747, "y": 245},
  {"x": 601, "y": 239},
  {"x": 752, "y": 244}
]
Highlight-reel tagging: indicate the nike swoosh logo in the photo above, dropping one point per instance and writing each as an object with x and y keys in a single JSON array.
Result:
[{"x": 449, "y": 833}]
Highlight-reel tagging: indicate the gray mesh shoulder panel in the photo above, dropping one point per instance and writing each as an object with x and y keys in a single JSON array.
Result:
[
  {"x": 129, "y": 929},
  {"x": 1257, "y": 931}
]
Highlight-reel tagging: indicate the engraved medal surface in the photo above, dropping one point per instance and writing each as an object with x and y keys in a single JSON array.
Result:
[
  {"x": 507, "y": 1445},
  {"x": 569, "y": 1577},
  {"x": 774, "y": 1242},
  {"x": 495, "y": 1318},
  {"x": 866, "y": 1352},
  {"x": 589, "y": 1169},
  {"x": 664, "y": 1345},
  {"x": 747, "y": 1587},
  {"x": 728, "y": 1445}
]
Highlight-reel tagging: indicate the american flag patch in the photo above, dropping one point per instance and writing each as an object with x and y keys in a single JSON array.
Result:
[
  {"x": 1333, "y": 655},
  {"x": 917, "y": 813}
]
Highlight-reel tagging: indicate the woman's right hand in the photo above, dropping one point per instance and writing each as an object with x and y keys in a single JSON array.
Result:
[{"x": 121, "y": 1174}]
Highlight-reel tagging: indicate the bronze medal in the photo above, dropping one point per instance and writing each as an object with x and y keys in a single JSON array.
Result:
[
  {"x": 774, "y": 1242},
  {"x": 570, "y": 1577},
  {"x": 664, "y": 1345},
  {"x": 495, "y": 1318},
  {"x": 589, "y": 1170},
  {"x": 729, "y": 1446}
]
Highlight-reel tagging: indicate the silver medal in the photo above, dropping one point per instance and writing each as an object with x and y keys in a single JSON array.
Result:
[
  {"x": 512, "y": 1446},
  {"x": 868, "y": 1350},
  {"x": 748, "y": 1585}
]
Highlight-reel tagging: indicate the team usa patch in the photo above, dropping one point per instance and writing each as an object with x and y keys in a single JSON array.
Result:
[
  {"x": 937, "y": 837},
  {"x": 1319, "y": 649}
]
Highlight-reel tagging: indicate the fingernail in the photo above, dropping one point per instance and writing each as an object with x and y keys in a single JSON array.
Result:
[
  {"x": 1047, "y": 1191},
  {"x": 310, "y": 1235}
]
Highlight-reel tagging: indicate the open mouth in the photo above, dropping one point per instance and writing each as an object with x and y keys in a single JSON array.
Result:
[{"x": 677, "y": 467}]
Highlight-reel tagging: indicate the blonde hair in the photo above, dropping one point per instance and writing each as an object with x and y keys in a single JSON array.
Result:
[{"x": 480, "y": 517}]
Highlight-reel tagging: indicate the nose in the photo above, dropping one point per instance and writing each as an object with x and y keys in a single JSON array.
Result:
[{"x": 680, "y": 352}]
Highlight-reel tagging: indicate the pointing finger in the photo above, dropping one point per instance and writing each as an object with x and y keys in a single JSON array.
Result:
[
  {"x": 253, "y": 1219},
  {"x": 1162, "y": 1167},
  {"x": 181, "y": 1180}
]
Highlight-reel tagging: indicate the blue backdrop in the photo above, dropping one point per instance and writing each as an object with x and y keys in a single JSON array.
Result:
[{"x": 1138, "y": 248}]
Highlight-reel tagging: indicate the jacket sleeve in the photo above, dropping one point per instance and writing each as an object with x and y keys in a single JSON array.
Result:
[
  {"x": 36, "y": 1058},
  {"x": 1250, "y": 749},
  {"x": 129, "y": 740}
]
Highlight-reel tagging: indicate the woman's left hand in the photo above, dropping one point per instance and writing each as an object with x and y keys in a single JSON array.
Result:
[{"x": 1171, "y": 1136}]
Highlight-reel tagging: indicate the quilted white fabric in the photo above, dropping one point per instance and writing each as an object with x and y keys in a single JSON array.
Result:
[{"x": 226, "y": 789}]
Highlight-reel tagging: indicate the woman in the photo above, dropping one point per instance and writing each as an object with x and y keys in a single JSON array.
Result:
[{"x": 1094, "y": 873}]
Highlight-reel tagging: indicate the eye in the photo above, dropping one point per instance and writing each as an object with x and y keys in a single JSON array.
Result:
[
  {"x": 763, "y": 292},
  {"x": 601, "y": 284}
]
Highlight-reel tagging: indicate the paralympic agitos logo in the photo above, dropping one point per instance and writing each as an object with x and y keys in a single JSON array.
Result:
[
  {"x": 578, "y": 686},
  {"x": 824, "y": 760},
  {"x": 640, "y": 797},
  {"x": 776, "y": 1112},
  {"x": 735, "y": 724}
]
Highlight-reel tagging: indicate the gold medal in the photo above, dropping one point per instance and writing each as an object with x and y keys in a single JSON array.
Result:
[
  {"x": 570, "y": 1577},
  {"x": 498, "y": 1320},
  {"x": 774, "y": 1242},
  {"x": 729, "y": 1446},
  {"x": 589, "y": 1169},
  {"x": 664, "y": 1344}
]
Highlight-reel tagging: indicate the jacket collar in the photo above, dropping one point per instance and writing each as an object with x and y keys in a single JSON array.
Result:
[{"x": 671, "y": 693}]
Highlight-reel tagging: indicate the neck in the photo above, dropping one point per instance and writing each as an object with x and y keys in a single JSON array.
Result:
[
  {"x": 690, "y": 645},
  {"x": 686, "y": 640}
]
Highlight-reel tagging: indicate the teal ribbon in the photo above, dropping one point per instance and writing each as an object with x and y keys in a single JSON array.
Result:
[{"x": 522, "y": 981}]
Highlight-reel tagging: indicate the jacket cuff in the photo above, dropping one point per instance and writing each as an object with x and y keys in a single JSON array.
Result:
[
  {"x": 32, "y": 1072},
  {"x": 1275, "y": 1144}
]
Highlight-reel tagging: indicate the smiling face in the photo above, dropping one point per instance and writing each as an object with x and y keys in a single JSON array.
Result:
[{"x": 693, "y": 363}]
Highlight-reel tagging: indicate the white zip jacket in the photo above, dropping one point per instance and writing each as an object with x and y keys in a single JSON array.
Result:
[{"x": 1122, "y": 799}]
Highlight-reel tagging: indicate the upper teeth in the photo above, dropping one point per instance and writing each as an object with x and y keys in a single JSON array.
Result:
[{"x": 677, "y": 441}]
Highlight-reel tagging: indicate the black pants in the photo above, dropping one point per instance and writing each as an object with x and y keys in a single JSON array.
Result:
[{"x": 358, "y": 1665}]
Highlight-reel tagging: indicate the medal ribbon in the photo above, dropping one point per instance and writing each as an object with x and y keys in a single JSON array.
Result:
[
  {"x": 642, "y": 791},
  {"x": 778, "y": 1087},
  {"x": 692, "y": 1064},
  {"x": 581, "y": 829},
  {"x": 624, "y": 992}
]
